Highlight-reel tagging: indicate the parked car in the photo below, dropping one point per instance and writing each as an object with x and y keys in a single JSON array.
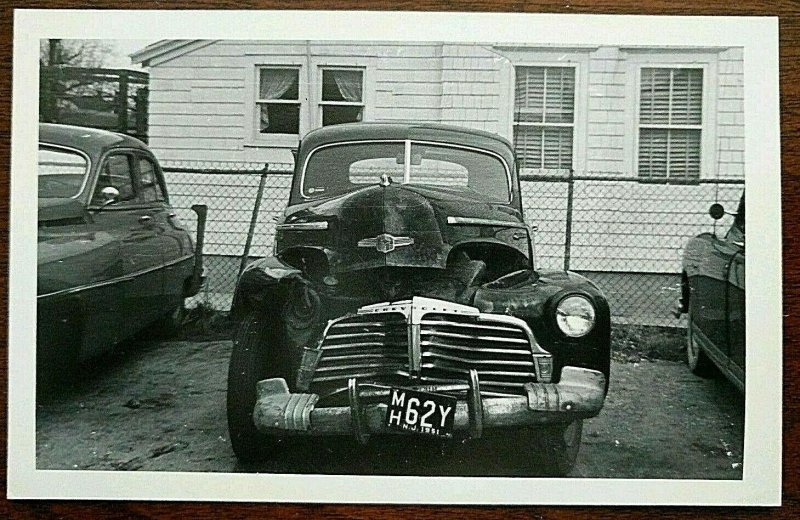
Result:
[
  {"x": 113, "y": 258},
  {"x": 403, "y": 298},
  {"x": 713, "y": 297}
]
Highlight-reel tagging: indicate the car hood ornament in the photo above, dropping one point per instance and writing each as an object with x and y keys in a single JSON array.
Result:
[{"x": 386, "y": 243}]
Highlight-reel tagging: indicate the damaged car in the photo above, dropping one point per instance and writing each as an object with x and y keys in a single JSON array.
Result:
[
  {"x": 403, "y": 299},
  {"x": 113, "y": 258}
]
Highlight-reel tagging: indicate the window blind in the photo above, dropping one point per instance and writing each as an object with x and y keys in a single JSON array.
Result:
[
  {"x": 670, "y": 115},
  {"x": 544, "y": 116}
]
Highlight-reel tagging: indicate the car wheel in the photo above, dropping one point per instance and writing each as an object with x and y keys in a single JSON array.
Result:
[
  {"x": 558, "y": 446},
  {"x": 250, "y": 363},
  {"x": 699, "y": 362},
  {"x": 172, "y": 322}
]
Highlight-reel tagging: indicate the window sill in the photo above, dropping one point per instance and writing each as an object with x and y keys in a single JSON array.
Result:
[
  {"x": 673, "y": 181},
  {"x": 276, "y": 141}
]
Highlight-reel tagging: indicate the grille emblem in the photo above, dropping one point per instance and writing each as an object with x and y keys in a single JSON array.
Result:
[{"x": 386, "y": 243}]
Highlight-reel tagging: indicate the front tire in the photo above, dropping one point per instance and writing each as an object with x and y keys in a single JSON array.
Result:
[
  {"x": 559, "y": 445},
  {"x": 699, "y": 362},
  {"x": 250, "y": 363}
]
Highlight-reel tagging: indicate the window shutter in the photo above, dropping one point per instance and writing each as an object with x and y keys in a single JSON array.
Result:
[
  {"x": 687, "y": 97},
  {"x": 653, "y": 152},
  {"x": 528, "y": 145},
  {"x": 655, "y": 96},
  {"x": 684, "y": 153},
  {"x": 559, "y": 94},
  {"x": 529, "y": 95}
]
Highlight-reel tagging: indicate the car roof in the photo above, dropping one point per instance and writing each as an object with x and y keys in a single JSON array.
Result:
[
  {"x": 401, "y": 131},
  {"x": 92, "y": 141}
]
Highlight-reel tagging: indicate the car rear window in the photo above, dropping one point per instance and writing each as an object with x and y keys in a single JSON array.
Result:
[
  {"x": 338, "y": 168},
  {"x": 62, "y": 173}
]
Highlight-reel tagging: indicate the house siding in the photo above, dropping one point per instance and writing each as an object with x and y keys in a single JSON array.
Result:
[{"x": 200, "y": 109}]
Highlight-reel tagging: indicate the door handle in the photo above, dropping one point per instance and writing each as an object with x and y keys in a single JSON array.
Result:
[{"x": 146, "y": 220}]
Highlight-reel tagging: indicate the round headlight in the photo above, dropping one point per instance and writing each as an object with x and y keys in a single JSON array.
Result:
[{"x": 575, "y": 316}]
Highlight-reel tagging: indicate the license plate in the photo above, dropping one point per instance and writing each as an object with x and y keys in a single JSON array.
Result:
[{"x": 420, "y": 412}]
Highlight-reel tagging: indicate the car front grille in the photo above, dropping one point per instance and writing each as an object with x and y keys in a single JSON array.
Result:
[
  {"x": 452, "y": 345},
  {"x": 447, "y": 340},
  {"x": 364, "y": 347}
]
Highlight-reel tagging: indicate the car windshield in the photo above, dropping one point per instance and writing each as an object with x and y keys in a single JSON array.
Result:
[
  {"x": 338, "y": 168},
  {"x": 62, "y": 173}
]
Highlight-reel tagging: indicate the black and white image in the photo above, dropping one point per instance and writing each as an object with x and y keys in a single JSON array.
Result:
[{"x": 429, "y": 257}]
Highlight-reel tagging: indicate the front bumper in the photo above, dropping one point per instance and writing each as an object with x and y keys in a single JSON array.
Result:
[{"x": 579, "y": 394}]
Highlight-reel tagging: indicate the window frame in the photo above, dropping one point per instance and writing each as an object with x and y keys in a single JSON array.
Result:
[
  {"x": 133, "y": 172},
  {"x": 668, "y": 179},
  {"x": 321, "y": 104},
  {"x": 252, "y": 115},
  {"x": 159, "y": 177},
  {"x": 87, "y": 178},
  {"x": 578, "y": 58},
  {"x": 639, "y": 59},
  {"x": 407, "y": 144},
  {"x": 277, "y": 138}
]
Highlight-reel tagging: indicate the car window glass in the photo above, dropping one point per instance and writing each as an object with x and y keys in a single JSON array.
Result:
[
  {"x": 368, "y": 171},
  {"x": 337, "y": 168},
  {"x": 62, "y": 173},
  {"x": 150, "y": 187},
  {"x": 115, "y": 172}
]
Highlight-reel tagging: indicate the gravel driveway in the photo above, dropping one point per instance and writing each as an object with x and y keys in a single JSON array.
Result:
[{"x": 161, "y": 407}]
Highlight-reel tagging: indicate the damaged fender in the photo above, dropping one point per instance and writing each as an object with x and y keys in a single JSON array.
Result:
[{"x": 260, "y": 278}]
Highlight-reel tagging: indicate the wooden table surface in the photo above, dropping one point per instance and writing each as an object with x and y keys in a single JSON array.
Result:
[{"x": 790, "y": 128}]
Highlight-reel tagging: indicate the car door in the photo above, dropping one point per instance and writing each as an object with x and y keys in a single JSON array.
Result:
[
  {"x": 136, "y": 221},
  {"x": 708, "y": 299},
  {"x": 174, "y": 243}
]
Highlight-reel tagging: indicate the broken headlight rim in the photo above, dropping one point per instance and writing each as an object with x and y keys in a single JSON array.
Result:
[{"x": 575, "y": 315}]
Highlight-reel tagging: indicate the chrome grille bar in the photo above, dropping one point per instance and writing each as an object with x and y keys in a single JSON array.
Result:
[{"x": 432, "y": 341}]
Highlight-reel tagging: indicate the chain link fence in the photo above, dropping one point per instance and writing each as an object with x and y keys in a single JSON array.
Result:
[{"x": 625, "y": 235}]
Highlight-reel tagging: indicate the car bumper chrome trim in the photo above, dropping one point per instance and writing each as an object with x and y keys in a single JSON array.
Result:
[{"x": 579, "y": 394}]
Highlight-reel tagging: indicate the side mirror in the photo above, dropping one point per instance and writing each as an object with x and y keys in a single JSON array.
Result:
[
  {"x": 716, "y": 211},
  {"x": 110, "y": 194}
]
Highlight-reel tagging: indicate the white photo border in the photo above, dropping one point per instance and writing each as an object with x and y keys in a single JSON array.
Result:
[{"x": 761, "y": 483}]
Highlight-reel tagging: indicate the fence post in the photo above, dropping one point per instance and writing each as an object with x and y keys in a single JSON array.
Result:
[
  {"x": 568, "y": 231},
  {"x": 122, "y": 103},
  {"x": 141, "y": 113},
  {"x": 249, "y": 242}
]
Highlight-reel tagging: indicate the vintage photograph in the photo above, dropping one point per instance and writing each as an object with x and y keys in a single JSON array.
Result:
[{"x": 376, "y": 257}]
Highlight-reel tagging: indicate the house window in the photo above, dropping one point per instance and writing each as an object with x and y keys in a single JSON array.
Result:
[
  {"x": 278, "y": 100},
  {"x": 342, "y": 98},
  {"x": 544, "y": 117},
  {"x": 670, "y": 122}
]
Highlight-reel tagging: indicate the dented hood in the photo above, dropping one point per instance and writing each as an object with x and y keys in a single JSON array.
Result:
[{"x": 396, "y": 225}]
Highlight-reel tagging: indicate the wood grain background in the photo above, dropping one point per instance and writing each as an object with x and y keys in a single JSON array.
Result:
[{"x": 790, "y": 155}]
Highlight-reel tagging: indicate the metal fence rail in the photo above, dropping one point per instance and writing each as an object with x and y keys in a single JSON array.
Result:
[{"x": 626, "y": 235}]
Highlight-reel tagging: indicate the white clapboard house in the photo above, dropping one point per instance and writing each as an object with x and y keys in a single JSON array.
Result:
[{"x": 655, "y": 127}]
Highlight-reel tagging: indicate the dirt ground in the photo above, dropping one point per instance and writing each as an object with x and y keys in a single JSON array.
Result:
[{"x": 161, "y": 407}]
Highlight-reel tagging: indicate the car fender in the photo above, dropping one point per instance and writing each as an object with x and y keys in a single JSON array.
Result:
[
  {"x": 260, "y": 278},
  {"x": 533, "y": 295}
]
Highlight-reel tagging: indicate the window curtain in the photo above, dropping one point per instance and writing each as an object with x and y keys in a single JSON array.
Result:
[
  {"x": 273, "y": 84},
  {"x": 276, "y": 82},
  {"x": 349, "y": 83}
]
